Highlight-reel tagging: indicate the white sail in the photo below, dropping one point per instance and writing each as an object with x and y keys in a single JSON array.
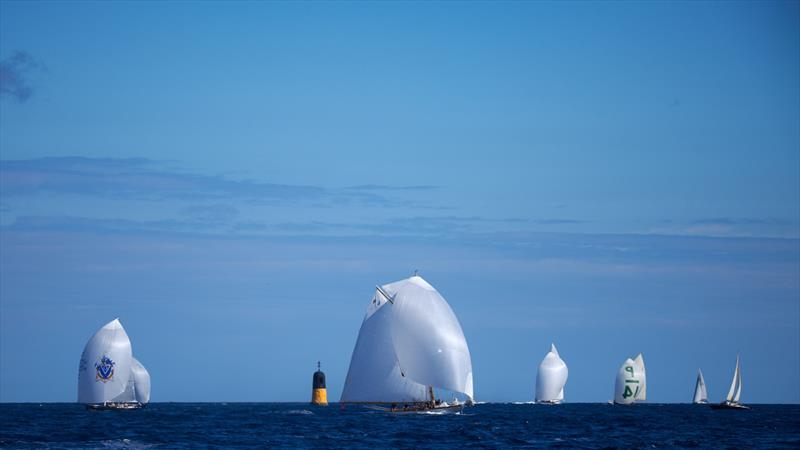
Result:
[
  {"x": 700, "y": 394},
  {"x": 374, "y": 374},
  {"x": 639, "y": 360},
  {"x": 141, "y": 382},
  {"x": 628, "y": 383},
  {"x": 551, "y": 377},
  {"x": 409, "y": 340},
  {"x": 735, "y": 392},
  {"x": 105, "y": 365}
]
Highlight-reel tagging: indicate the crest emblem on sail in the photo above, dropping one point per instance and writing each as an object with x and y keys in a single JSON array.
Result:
[
  {"x": 631, "y": 382},
  {"x": 410, "y": 340},
  {"x": 104, "y": 369},
  {"x": 551, "y": 378}
]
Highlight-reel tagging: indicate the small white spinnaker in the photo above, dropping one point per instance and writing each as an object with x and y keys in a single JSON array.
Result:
[
  {"x": 628, "y": 384},
  {"x": 551, "y": 378}
]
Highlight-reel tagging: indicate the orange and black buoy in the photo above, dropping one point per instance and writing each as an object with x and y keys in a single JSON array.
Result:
[{"x": 319, "y": 396}]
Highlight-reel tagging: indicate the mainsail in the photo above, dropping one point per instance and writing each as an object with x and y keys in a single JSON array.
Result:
[
  {"x": 700, "y": 394},
  {"x": 628, "y": 386},
  {"x": 410, "y": 341},
  {"x": 105, "y": 365},
  {"x": 551, "y": 378},
  {"x": 736, "y": 384}
]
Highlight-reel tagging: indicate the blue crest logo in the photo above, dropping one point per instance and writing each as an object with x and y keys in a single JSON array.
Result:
[{"x": 105, "y": 369}]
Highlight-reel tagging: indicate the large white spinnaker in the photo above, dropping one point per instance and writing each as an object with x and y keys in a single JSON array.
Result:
[
  {"x": 700, "y": 394},
  {"x": 141, "y": 382},
  {"x": 551, "y": 378},
  {"x": 628, "y": 383},
  {"x": 639, "y": 360},
  {"x": 105, "y": 365},
  {"x": 735, "y": 392},
  {"x": 410, "y": 340}
]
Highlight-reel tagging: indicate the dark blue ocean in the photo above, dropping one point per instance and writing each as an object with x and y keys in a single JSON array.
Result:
[{"x": 299, "y": 425}]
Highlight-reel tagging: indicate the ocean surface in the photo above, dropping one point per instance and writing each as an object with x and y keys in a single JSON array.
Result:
[{"x": 492, "y": 425}]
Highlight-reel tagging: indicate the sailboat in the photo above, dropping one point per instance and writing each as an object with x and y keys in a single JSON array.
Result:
[
  {"x": 631, "y": 382},
  {"x": 551, "y": 378},
  {"x": 734, "y": 393},
  {"x": 700, "y": 394},
  {"x": 409, "y": 346},
  {"x": 109, "y": 377}
]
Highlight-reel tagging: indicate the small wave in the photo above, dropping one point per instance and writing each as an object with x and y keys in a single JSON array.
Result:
[
  {"x": 299, "y": 411},
  {"x": 124, "y": 443}
]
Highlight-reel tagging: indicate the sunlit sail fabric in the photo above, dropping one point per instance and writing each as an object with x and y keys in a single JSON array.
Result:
[
  {"x": 735, "y": 391},
  {"x": 639, "y": 360},
  {"x": 628, "y": 385},
  {"x": 141, "y": 382},
  {"x": 105, "y": 365},
  {"x": 410, "y": 340},
  {"x": 700, "y": 394},
  {"x": 551, "y": 377}
]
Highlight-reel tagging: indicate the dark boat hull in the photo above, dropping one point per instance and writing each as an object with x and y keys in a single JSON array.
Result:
[
  {"x": 728, "y": 405},
  {"x": 111, "y": 406}
]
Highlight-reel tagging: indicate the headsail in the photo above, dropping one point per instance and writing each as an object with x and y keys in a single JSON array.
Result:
[
  {"x": 639, "y": 360},
  {"x": 141, "y": 382},
  {"x": 410, "y": 340},
  {"x": 700, "y": 394},
  {"x": 628, "y": 384},
  {"x": 735, "y": 392},
  {"x": 105, "y": 365},
  {"x": 551, "y": 377}
]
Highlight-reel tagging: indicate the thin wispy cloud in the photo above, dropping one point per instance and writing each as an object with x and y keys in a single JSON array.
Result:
[
  {"x": 380, "y": 187},
  {"x": 14, "y": 72},
  {"x": 146, "y": 179}
]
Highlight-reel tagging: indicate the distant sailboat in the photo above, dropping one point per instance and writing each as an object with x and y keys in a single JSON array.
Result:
[
  {"x": 700, "y": 394},
  {"x": 734, "y": 393},
  {"x": 109, "y": 377},
  {"x": 410, "y": 344},
  {"x": 631, "y": 382},
  {"x": 551, "y": 378}
]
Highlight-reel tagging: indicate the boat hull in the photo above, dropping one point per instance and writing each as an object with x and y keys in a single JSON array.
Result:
[
  {"x": 114, "y": 406},
  {"x": 412, "y": 409},
  {"x": 728, "y": 405}
]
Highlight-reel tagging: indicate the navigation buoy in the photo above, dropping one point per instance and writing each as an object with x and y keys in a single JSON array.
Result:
[{"x": 319, "y": 396}]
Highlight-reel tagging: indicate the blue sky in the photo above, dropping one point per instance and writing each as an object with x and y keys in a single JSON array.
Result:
[{"x": 232, "y": 180}]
